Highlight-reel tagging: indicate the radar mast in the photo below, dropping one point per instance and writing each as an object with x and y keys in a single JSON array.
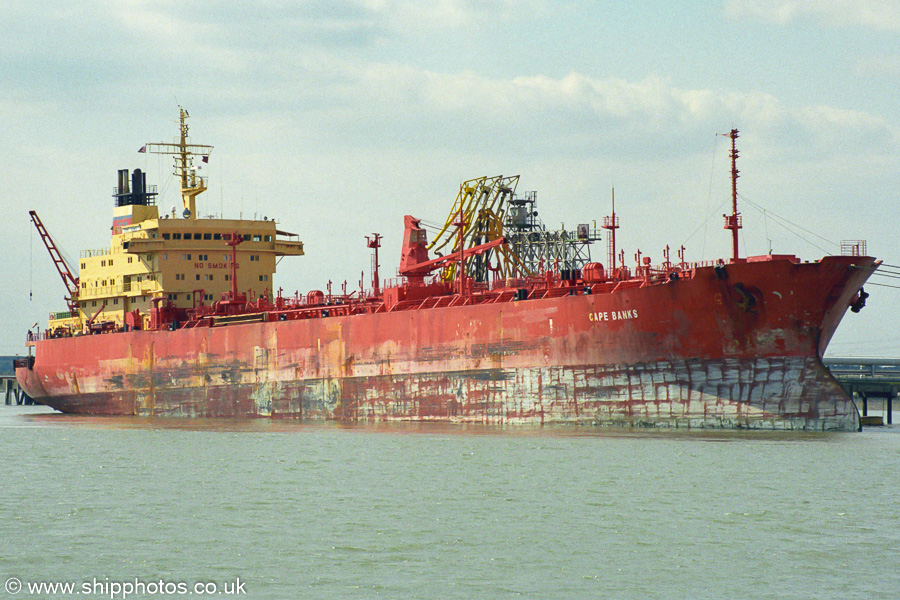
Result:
[{"x": 191, "y": 184}]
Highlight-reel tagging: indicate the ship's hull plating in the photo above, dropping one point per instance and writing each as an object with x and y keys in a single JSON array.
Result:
[
  {"x": 738, "y": 349},
  {"x": 786, "y": 393}
]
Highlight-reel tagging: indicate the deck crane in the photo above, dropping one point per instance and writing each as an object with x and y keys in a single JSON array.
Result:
[
  {"x": 69, "y": 280},
  {"x": 478, "y": 215}
]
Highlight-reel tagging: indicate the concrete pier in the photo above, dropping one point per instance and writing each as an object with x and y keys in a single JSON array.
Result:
[
  {"x": 873, "y": 382},
  {"x": 13, "y": 394}
]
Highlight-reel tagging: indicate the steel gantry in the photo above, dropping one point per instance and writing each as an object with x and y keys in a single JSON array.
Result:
[{"x": 487, "y": 209}]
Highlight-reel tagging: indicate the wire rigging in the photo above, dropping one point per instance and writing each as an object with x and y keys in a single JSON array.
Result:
[
  {"x": 31, "y": 266},
  {"x": 712, "y": 173},
  {"x": 787, "y": 224},
  {"x": 703, "y": 225}
]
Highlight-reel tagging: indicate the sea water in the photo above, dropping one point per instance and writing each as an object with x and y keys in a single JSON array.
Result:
[{"x": 151, "y": 508}]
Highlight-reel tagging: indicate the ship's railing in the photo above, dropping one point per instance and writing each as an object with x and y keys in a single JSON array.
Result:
[
  {"x": 697, "y": 264},
  {"x": 288, "y": 247},
  {"x": 66, "y": 314},
  {"x": 853, "y": 248},
  {"x": 93, "y": 253},
  {"x": 101, "y": 291},
  {"x": 139, "y": 286}
]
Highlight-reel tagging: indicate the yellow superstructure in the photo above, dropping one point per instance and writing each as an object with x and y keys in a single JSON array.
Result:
[{"x": 182, "y": 259}]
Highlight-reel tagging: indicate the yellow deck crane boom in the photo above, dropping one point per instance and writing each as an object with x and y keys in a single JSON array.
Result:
[{"x": 479, "y": 210}]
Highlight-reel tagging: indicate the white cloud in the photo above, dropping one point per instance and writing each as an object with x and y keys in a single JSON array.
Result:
[
  {"x": 594, "y": 107},
  {"x": 873, "y": 14},
  {"x": 453, "y": 13}
]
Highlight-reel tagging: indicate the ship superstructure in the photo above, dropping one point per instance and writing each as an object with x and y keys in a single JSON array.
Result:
[{"x": 176, "y": 257}]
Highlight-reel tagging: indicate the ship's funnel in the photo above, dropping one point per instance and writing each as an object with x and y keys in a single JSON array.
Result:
[
  {"x": 123, "y": 181},
  {"x": 137, "y": 183}
]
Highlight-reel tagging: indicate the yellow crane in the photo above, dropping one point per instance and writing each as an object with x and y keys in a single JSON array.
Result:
[{"x": 479, "y": 211}]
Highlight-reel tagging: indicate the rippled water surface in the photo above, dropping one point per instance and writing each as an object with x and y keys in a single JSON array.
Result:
[{"x": 295, "y": 510}]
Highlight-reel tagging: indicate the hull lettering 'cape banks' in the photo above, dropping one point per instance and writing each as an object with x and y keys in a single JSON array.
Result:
[{"x": 512, "y": 323}]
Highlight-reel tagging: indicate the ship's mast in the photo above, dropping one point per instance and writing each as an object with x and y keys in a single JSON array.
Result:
[
  {"x": 374, "y": 242},
  {"x": 612, "y": 223},
  {"x": 191, "y": 184},
  {"x": 733, "y": 221}
]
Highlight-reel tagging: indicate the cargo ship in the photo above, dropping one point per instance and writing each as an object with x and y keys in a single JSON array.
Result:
[{"x": 178, "y": 317}]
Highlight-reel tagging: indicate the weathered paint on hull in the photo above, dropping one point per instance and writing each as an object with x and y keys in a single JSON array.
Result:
[
  {"x": 681, "y": 354},
  {"x": 790, "y": 393}
]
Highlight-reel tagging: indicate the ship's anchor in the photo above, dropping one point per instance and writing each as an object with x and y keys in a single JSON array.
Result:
[
  {"x": 746, "y": 301},
  {"x": 860, "y": 301}
]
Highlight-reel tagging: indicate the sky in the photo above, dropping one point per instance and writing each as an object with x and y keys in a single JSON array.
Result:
[{"x": 338, "y": 118}]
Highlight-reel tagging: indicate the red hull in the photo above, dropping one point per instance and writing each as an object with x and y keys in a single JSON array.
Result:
[{"x": 691, "y": 352}]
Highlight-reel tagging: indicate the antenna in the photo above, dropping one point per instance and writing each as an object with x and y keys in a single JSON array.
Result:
[{"x": 374, "y": 242}]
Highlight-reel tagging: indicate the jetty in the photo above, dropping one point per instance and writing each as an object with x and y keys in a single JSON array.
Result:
[
  {"x": 13, "y": 394},
  {"x": 871, "y": 380}
]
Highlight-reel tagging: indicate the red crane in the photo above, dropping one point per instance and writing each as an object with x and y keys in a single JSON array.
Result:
[{"x": 69, "y": 280}]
